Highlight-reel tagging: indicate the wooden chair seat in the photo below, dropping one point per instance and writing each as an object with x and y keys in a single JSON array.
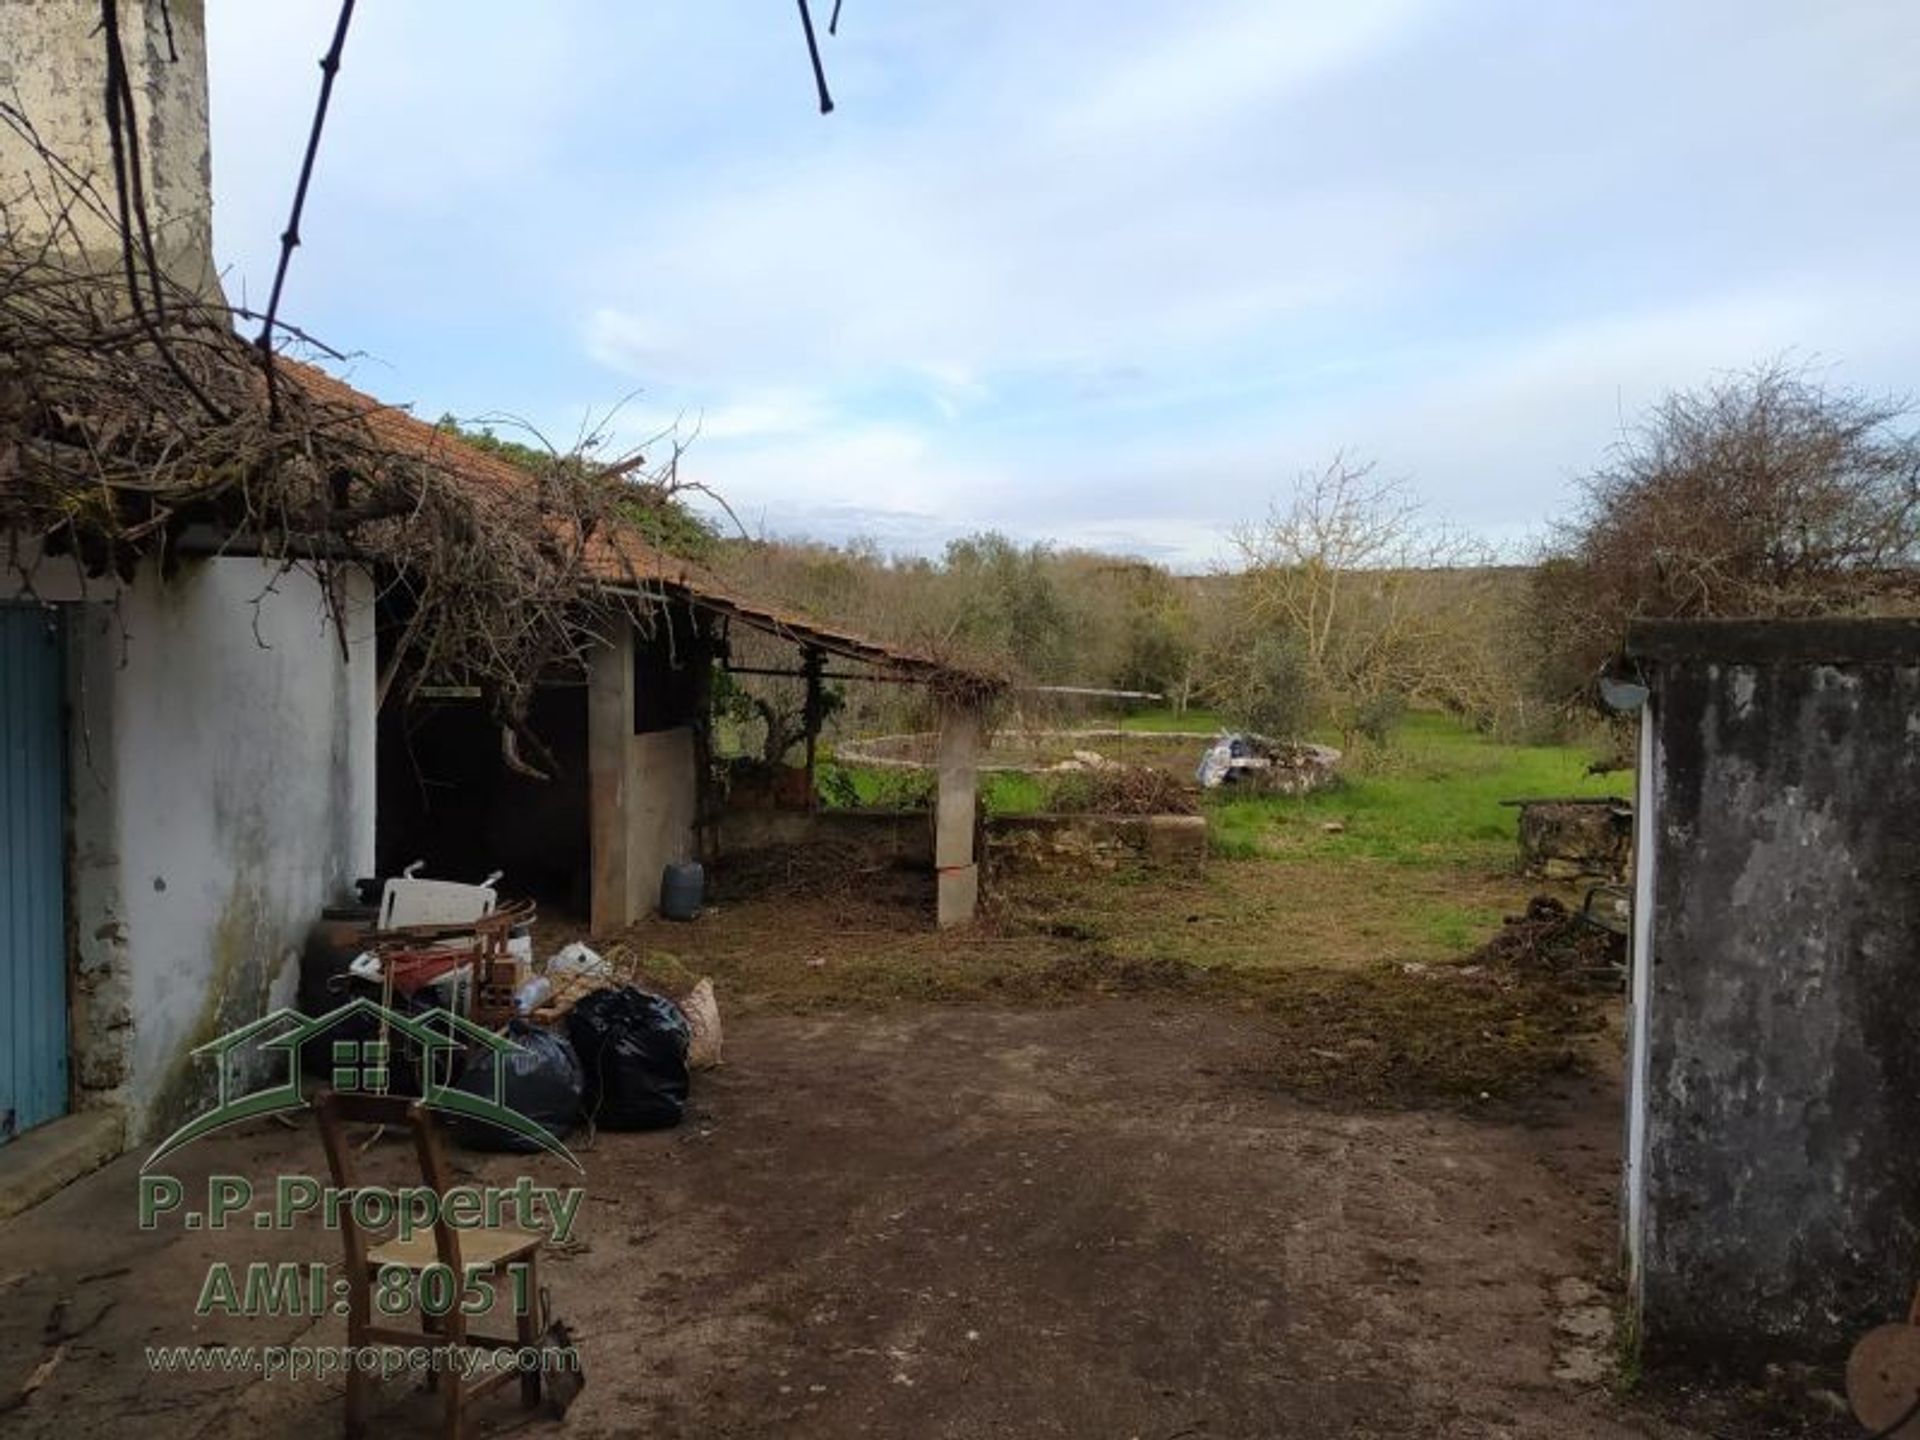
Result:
[{"x": 492, "y": 1248}]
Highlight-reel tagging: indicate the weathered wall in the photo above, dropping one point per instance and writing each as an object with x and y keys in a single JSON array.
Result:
[
  {"x": 222, "y": 791},
  {"x": 51, "y": 65},
  {"x": 1096, "y": 841},
  {"x": 882, "y": 837},
  {"x": 1774, "y": 1200},
  {"x": 643, "y": 789},
  {"x": 662, "y": 806}
]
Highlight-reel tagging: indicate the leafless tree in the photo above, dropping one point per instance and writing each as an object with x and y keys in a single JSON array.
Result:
[
  {"x": 1762, "y": 494},
  {"x": 1370, "y": 597}
]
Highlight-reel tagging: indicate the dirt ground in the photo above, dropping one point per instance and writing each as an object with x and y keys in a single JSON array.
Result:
[
  {"x": 1097, "y": 1219},
  {"x": 1148, "y": 1156}
]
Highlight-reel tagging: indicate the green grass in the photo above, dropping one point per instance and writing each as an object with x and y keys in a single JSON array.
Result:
[
  {"x": 873, "y": 786},
  {"x": 1457, "y": 927},
  {"x": 1431, "y": 798},
  {"x": 1012, "y": 793}
]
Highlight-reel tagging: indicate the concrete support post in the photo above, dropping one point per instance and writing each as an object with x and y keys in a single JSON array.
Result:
[
  {"x": 954, "y": 861},
  {"x": 609, "y": 750}
]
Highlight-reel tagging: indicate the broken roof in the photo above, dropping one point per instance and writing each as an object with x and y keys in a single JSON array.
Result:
[{"x": 620, "y": 557}]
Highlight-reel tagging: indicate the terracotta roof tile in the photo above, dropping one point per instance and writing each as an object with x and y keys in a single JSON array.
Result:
[{"x": 621, "y": 557}]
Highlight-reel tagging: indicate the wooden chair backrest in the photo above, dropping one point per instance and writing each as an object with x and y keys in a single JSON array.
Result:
[{"x": 337, "y": 1110}]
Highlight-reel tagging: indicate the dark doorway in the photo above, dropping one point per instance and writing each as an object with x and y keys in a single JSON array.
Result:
[{"x": 448, "y": 797}]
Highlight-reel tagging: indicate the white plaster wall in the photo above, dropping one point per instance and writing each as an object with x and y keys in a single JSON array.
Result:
[{"x": 223, "y": 793}]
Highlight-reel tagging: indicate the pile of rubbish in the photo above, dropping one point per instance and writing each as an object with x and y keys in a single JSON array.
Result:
[
  {"x": 1272, "y": 767},
  {"x": 1082, "y": 760},
  {"x": 583, "y": 1040}
]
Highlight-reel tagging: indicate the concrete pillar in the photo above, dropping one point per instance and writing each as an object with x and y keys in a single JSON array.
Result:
[
  {"x": 1774, "y": 1112},
  {"x": 609, "y": 775},
  {"x": 954, "y": 860}
]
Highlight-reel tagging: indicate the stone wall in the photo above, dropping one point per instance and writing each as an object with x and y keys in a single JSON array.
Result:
[
  {"x": 1096, "y": 841},
  {"x": 1773, "y": 1180},
  {"x": 905, "y": 837},
  {"x": 1575, "y": 839}
]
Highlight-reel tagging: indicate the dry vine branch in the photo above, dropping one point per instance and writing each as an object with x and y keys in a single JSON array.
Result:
[
  {"x": 290, "y": 237},
  {"x": 495, "y": 578}
]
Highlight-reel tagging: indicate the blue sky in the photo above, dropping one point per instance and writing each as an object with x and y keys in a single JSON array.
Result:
[{"x": 1098, "y": 272}]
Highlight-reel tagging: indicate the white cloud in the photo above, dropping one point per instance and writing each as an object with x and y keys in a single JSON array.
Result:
[
  {"x": 1207, "y": 66},
  {"x": 1101, "y": 270}
]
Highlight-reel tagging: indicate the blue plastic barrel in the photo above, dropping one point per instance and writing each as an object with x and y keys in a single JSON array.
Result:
[{"x": 683, "y": 886}]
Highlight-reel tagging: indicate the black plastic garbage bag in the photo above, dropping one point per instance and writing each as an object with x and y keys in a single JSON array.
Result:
[
  {"x": 540, "y": 1081},
  {"x": 633, "y": 1050}
]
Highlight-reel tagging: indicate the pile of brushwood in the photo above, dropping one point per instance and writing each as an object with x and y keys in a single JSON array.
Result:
[
  {"x": 136, "y": 425},
  {"x": 1122, "y": 790},
  {"x": 1505, "y": 1023},
  {"x": 1550, "y": 940}
]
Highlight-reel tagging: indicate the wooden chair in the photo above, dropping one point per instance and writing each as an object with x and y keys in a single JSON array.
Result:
[{"x": 489, "y": 1250}]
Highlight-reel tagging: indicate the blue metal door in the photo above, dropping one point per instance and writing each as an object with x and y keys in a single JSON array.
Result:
[{"x": 33, "y": 911}]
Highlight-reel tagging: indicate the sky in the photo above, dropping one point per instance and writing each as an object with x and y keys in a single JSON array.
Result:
[{"x": 1092, "y": 272}]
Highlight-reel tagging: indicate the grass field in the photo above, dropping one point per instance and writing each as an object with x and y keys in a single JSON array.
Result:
[
  {"x": 1410, "y": 856},
  {"x": 1431, "y": 798},
  {"x": 1354, "y": 940}
]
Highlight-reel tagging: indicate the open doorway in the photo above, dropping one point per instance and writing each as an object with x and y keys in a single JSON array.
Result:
[{"x": 448, "y": 797}]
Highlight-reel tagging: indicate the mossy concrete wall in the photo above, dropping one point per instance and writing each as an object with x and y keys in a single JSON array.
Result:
[{"x": 1774, "y": 1157}]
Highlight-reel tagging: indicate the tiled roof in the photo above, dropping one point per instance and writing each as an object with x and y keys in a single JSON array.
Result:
[{"x": 621, "y": 557}]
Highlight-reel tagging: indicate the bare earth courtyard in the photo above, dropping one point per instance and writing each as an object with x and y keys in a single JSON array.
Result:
[
  {"x": 1090, "y": 1220},
  {"x": 1302, "y": 1140}
]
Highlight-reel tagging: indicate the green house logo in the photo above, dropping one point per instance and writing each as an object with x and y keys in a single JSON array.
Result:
[
  {"x": 432, "y": 1039},
  {"x": 360, "y": 1065}
]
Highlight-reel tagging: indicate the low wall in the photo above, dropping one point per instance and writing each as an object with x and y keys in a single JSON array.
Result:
[
  {"x": 1177, "y": 840},
  {"x": 903, "y": 837},
  {"x": 663, "y": 801},
  {"x": 1576, "y": 839}
]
